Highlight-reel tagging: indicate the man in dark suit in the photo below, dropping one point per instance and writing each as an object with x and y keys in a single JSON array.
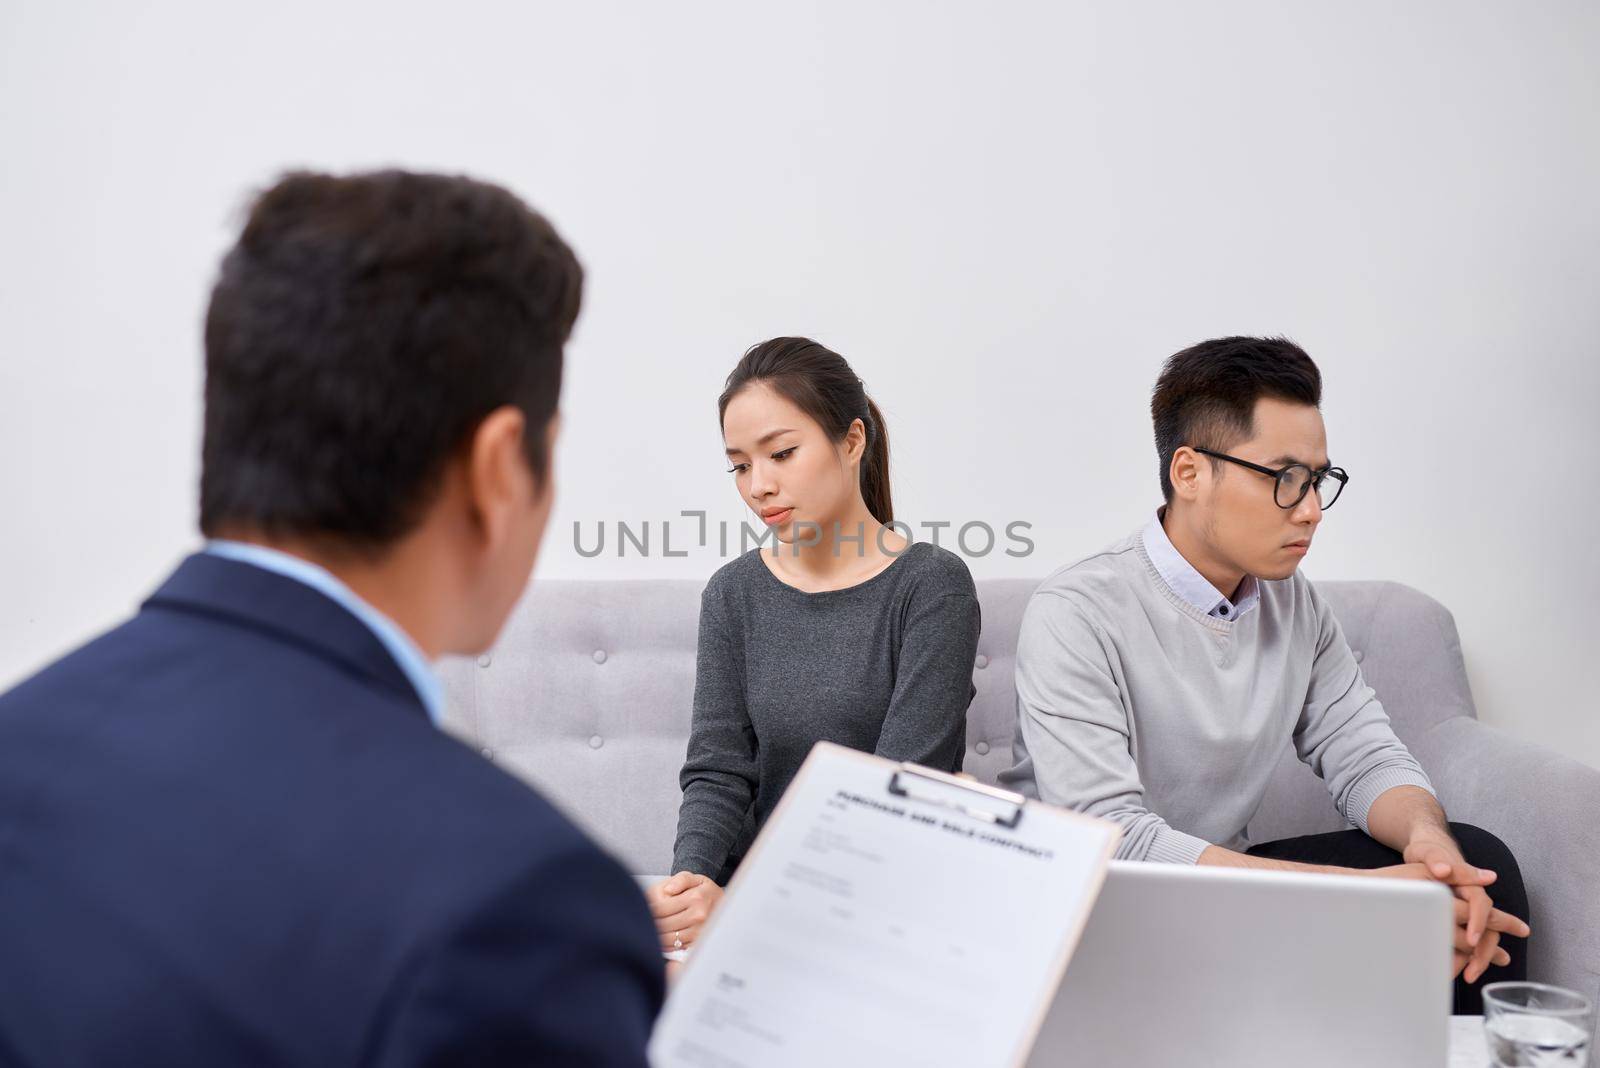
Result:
[{"x": 231, "y": 832}]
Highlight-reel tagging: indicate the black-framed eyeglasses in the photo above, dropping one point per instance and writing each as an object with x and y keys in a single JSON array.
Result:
[{"x": 1292, "y": 483}]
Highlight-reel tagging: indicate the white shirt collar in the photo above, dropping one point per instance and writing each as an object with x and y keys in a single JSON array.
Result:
[{"x": 1189, "y": 584}]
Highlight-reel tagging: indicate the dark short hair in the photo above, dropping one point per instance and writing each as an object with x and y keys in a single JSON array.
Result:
[
  {"x": 1206, "y": 395},
  {"x": 360, "y": 330}
]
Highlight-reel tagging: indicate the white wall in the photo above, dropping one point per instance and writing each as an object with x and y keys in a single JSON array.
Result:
[{"x": 1004, "y": 215}]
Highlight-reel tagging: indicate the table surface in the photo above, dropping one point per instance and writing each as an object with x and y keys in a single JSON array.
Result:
[{"x": 1467, "y": 1049}]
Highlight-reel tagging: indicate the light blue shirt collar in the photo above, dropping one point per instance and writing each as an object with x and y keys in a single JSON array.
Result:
[
  {"x": 1192, "y": 586},
  {"x": 407, "y": 655}
]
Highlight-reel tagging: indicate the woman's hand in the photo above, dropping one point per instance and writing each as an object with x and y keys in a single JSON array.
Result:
[{"x": 681, "y": 905}]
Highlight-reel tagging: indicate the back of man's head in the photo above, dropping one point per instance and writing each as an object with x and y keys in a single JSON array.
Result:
[{"x": 360, "y": 331}]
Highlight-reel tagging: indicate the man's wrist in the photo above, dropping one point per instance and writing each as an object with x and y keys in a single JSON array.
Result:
[
  {"x": 1433, "y": 834},
  {"x": 1432, "y": 840}
]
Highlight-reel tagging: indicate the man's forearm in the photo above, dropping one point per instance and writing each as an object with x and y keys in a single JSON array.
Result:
[
  {"x": 1218, "y": 857},
  {"x": 1404, "y": 814},
  {"x": 1398, "y": 817}
]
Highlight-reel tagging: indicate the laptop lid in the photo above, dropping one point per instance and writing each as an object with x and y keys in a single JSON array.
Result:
[{"x": 1197, "y": 966}]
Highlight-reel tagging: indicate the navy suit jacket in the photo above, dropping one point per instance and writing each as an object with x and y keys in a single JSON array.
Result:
[{"x": 229, "y": 835}]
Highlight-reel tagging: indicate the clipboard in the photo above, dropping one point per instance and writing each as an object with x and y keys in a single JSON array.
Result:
[{"x": 887, "y": 914}]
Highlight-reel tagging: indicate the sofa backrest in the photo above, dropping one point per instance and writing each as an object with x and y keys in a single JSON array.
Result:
[{"x": 587, "y": 696}]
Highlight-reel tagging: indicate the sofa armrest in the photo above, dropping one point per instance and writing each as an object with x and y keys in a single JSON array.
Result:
[{"x": 1546, "y": 808}]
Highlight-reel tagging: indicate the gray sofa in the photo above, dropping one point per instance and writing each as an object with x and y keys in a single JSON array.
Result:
[{"x": 587, "y": 696}]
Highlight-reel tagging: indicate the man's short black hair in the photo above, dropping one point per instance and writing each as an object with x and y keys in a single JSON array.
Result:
[
  {"x": 1206, "y": 395},
  {"x": 359, "y": 332}
]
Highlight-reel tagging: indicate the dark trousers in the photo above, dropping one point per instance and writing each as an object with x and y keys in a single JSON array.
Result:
[{"x": 1353, "y": 849}]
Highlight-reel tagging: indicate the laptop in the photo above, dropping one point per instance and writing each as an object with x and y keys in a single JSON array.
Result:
[{"x": 1197, "y": 967}]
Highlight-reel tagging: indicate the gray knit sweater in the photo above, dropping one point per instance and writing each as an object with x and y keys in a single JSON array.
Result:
[
  {"x": 884, "y": 666},
  {"x": 1134, "y": 705}
]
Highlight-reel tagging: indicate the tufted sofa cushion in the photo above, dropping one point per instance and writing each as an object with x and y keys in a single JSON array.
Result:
[{"x": 587, "y": 695}]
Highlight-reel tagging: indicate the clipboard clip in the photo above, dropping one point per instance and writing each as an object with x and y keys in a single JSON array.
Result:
[{"x": 978, "y": 800}]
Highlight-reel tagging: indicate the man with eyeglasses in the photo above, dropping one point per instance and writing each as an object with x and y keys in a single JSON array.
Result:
[{"x": 1158, "y": 680}]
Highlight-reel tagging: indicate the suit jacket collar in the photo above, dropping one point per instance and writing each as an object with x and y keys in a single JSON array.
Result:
[{"x": 286, "y": 610}]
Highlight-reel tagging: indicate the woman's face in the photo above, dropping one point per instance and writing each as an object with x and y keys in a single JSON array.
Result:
[{"x": 786, "y": 469}]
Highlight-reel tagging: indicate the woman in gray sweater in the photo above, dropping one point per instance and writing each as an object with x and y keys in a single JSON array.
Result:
[{"x": 840, "y": 629}]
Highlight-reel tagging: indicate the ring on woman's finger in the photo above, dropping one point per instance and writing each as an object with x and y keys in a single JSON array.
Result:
[{"x": 677, "y": 939}]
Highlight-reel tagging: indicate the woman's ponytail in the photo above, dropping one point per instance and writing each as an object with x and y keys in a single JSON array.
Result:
[{"x": 875, "y": 467}]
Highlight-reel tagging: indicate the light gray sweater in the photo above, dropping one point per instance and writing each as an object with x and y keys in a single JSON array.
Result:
[{"x": 1138, "y": 707}]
